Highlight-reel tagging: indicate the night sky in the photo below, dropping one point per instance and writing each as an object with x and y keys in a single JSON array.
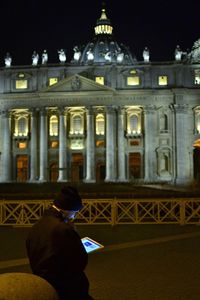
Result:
[{"x": 28, "y": 25}]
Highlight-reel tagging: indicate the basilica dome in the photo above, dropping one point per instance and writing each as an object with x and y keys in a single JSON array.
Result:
[{"x": 103, "y": 49}]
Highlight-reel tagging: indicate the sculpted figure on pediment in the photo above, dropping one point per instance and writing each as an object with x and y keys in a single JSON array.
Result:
[{"x": 76, "y": 83}]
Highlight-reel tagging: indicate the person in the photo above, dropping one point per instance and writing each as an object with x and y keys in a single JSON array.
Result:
[{"x": 55, "y": 250}]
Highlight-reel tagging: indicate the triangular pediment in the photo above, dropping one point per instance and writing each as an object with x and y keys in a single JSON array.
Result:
[{"x": 77, "y": 83}]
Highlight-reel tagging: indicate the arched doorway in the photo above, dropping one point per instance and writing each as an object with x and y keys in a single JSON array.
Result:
[
  {"x": 134, "y": 165},
  {"x": 77, "y": 167},
  {"x": 53, "y": 174},
  {"x": 196, "y": 159},
  {"x": 22, "y": 168},
  {"x": 100, "y": 171}
]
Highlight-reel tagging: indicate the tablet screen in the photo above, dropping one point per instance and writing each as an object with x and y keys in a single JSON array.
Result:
[{"x": 90, "y": 245}]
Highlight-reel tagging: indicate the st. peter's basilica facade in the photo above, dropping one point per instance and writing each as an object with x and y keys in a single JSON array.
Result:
[{"x": 104, "y": 116}]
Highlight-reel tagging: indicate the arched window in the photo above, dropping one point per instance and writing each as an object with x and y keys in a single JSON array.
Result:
[
  {"x": 22, "y": 126},
  {"x": 53, "y": 125},
  {"x": 133, "y": 123},
  {"x": 77, "y": 124},
  {"x": 164, "y": 162},
  {"x": 198, "y": 123},
  {"x": 164, "y": 122},
  {"x": 100, "y": 124}
]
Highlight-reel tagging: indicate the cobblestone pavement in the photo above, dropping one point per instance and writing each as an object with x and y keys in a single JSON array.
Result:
[{"x": 139, "y": 262}]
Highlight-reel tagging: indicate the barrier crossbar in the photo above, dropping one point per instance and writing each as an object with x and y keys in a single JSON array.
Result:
[{"x": 108, "y": 211}]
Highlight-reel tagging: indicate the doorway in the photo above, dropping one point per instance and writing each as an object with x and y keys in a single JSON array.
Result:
[{"x": 22, "y": 168}]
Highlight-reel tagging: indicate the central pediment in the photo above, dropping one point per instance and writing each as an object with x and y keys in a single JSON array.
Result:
[{"x": 77, "y": 83}]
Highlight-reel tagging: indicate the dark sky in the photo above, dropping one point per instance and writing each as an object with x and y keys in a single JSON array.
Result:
[{"x": 28, "y": 25}]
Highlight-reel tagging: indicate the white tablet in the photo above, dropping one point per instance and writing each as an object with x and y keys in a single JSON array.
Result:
[{"x": 91, "y": 245}]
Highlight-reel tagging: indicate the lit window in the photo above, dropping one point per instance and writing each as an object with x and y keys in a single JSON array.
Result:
[
  {"x": 133, "y": 80},
  {"x": 77, "y": 124},
  {"x": 198, "y": 123},
  {"x": 162, "y": 80},
  {"x": 76, "y": 144},
  {"x": 100, "y": 144},
  {"x": 197, "y": 76},
  {"x": 21, "y": 75},
  {"x": 53, "y": 126},
  {"x": 22, "y": 145},
  {"x": 53, "y": 80},
  {"x": 133, "y": 72},
  {"x": 133, "y": 125},
  {"x": 100, "y": 124},
  {"x": 21, "y": 84},
  {"x": 54, "y": 144},
  {"x": 99, "y": 80},
  {"x": 21, "y": 126}
]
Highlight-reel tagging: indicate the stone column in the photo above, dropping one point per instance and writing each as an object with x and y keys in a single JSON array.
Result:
[
  {"x": 183, "y": 145},
  {"x": 149, "y": 143},
  {"x": 121, "y": 147},
  {"x": 43, "y": 146},
  {"x": 62, "y": 146},
  {"x": 90, "y": 148},
  {"x": 6, "y": 153},
  {"x": 110, "y": 145},
  {"x": 34, "y": 153}
]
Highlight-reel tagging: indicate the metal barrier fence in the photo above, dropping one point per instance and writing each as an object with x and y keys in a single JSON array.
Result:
[{"x": 108, "y": 211}]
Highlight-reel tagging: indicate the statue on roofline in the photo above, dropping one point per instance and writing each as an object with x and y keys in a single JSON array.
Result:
[
  {"x": 146, "y": 54},
  {"x": 77, "y": 53},
  {"x": 44, "y": 57},
  {"x": 8, "y": 60},
  {"x": 35, "y": 58},
  {"x": 62, "y": 56}
]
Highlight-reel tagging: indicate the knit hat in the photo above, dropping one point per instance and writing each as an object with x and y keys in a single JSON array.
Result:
[{"x": 68, "y": 199}]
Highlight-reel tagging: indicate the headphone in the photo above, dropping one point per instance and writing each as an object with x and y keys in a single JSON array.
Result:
[{"x": 65, "y": 218}]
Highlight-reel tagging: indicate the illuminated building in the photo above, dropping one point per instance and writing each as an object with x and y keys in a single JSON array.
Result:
[{"x": 104, "y": 116}]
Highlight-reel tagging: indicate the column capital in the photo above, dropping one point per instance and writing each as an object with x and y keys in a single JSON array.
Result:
[
  {"x": 149, "y": 109},
  {"x": 61, "y": 110},
  {"x": 110, "y": 109},
  {"x": 43, "y": 111},
  {"x": 89, "y": 109},
  {"x": 180, "y": 108},
  {"x": 6, "y": 113},
  {"x": 121, "y": 110}
]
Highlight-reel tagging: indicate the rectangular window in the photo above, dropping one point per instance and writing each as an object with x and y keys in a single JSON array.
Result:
[
  {"x": 21, "y": 84},
  {"x": 100, "y": 144},
  {"x": 99, "y": 80},
  {"x": 22, "y": 145},
  {"x": 135, "y": 143},
  {"x": 53, "y": 80},
  {"x": 54, "y": 144},
  {"x": 162, "y": 80},
  {"x": 133, "y": 80}
]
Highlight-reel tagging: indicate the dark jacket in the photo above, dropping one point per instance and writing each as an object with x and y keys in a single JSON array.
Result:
[{"x": 56, "y": 253}]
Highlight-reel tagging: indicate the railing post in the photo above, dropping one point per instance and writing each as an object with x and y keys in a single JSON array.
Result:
[
  {"x": 113, "y": 212},
  {"x": 182, "y": 212}
]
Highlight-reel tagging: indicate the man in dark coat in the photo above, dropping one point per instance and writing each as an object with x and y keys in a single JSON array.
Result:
[{"x": 55, "y": 250}]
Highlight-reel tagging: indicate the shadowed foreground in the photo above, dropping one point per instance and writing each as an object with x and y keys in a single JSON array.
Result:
[{"x": 139, "y": 262}]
